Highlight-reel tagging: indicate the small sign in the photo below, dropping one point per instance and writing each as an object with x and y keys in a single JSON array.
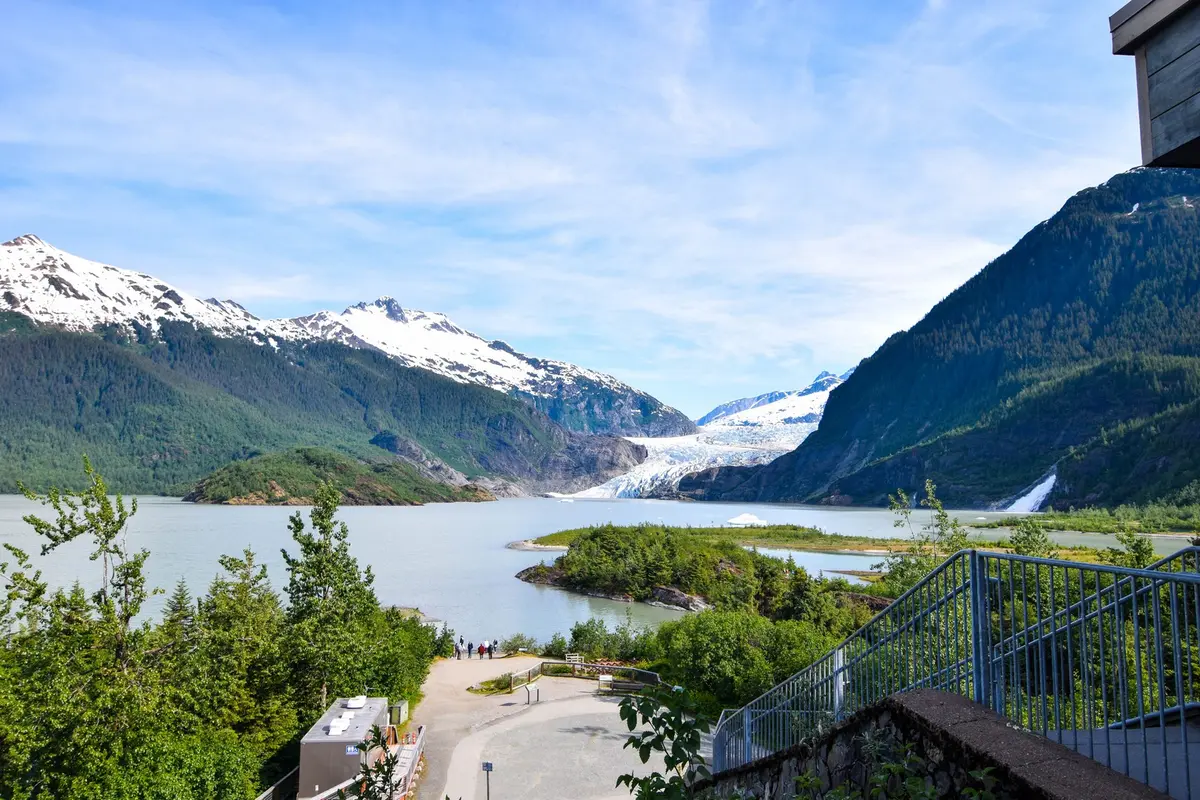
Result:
[
  {"x": 351, "y": 749},
  {"x": 487, "y": 766}
]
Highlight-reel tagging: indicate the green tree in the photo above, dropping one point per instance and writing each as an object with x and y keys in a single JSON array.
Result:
[
  {"x": 1135, "y": 551},
  {"x": 941, "y": 536},
  {"x": 723, "y": 655},
  {"x": 249, "y": 687},
  {"x": 330, "y": 604},
  {"x": 1029, "y": 538},
  {"x": 807, "y": 599}
]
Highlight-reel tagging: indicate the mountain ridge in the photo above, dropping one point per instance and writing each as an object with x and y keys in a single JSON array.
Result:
[
  {"x": 1112, "y": 275},
  {"x": 157, "y": 413},
  {"x": 52, "y": 286}
]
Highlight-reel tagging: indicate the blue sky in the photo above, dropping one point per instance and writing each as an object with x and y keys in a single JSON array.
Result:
[{"x": 708, "y": 200}]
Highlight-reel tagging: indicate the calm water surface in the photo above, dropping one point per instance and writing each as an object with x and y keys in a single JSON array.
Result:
[{"x": 449, "y": 560}]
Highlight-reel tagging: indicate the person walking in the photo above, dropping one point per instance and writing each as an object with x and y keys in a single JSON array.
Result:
[
  {"x": 491, "y": 649},
  {"x": 470, "y": 647},
  {"x": 481, "y": 649},
  {"x": 457, "y": 651}
]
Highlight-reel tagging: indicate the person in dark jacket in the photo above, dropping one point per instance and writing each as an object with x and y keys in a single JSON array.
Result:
[
  {"x": 470, "y": 647},
  {"x": 491, "y": 648}
]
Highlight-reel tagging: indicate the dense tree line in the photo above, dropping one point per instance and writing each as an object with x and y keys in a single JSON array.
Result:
[
  {"x": 209, "y": 701},
  {"x": 159, "y": 412}
]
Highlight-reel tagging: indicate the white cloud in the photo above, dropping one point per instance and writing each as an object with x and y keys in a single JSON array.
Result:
[{"x": 706, "y": 199}]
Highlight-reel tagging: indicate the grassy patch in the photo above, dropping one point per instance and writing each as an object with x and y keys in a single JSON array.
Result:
[
  {"x": 1140, "y": 519},
  {"x": 501, "y": 684},
  {"x": 794, "y": 537}
]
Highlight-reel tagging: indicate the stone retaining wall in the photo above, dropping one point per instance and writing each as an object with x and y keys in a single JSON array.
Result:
[{"x": 946, "y": 738}]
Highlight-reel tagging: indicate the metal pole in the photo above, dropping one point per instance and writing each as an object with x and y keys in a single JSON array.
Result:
[
  {"x": 489, "y": 785},
  {"x": 978, "y": 647}
]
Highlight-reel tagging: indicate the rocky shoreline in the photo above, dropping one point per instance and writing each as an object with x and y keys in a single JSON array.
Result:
[{"x": 663, "y": 596}]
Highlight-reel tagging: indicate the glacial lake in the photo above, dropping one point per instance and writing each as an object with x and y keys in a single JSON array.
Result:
[{"x": 449, "y": 560}]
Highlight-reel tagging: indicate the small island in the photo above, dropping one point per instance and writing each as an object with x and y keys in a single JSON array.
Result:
[
  {"x": 292, "y": 476},
  {"x": 687, "y": 568}
]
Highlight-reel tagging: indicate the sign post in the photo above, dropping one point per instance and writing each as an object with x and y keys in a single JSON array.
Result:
[{"x": 487, "y": 771}]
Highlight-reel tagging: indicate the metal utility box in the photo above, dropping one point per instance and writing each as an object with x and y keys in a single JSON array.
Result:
[
  {"x": 329, "y": 751},
  {"x": 399, "y": 713}
]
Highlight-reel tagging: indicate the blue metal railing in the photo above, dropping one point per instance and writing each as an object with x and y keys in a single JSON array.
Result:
[{"x": 1103, "y": 659}]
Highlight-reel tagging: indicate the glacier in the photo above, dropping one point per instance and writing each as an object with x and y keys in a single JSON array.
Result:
[{"x": 740, "y": 433}]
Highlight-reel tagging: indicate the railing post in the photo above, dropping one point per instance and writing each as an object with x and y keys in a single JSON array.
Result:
[
  {"x": 839, "y": 682},
  {"x": 981, "y": 662}
]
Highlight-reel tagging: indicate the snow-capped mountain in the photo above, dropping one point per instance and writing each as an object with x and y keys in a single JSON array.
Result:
[
  {"x": 777, "y": 406},
  {"x": 579, "y": 398},
  {"x": 431, "y": 341},
  {"x": 745, "y": 432},
  {"x": 52, "y": 286}
]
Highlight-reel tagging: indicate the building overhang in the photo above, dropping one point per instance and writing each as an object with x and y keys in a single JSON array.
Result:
[{"x": 1163, "y": 36}]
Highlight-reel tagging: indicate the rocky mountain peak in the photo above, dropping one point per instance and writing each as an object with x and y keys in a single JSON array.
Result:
[
  {"x": 390, "y": 306},
  {"x": 28, "y": 240}
]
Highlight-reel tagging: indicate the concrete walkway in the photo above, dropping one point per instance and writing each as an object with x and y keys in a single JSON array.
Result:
[{"x": 568, "y": 745}]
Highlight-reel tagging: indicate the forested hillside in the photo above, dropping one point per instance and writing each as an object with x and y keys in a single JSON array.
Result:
[
  {"x": 1076, "y": 350},
  {"x": 159, "y": 413}
]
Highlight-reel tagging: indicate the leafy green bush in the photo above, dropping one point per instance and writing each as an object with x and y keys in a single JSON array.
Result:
[
  {"x": 1029, "y": 538},
  {"x": 518, "y": 642},
  {"x": 626, "y": 642},
  {"x": 734, "y": 656},
  {"x": 556, "y": 647}
]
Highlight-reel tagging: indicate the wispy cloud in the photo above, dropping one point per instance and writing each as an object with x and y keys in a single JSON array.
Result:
[{"x": 706, "y": 199}]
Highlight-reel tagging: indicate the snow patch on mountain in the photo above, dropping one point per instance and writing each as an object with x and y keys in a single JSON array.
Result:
[
  {"x": 432, "y": 341},
  {"x": 53, "y": 286},
  {"x": 777, "y": 407},
  {"x": 745, "y": 432}
]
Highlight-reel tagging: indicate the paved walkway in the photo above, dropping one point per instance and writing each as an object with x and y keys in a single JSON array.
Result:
[{"x": 569, "y": 745}]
